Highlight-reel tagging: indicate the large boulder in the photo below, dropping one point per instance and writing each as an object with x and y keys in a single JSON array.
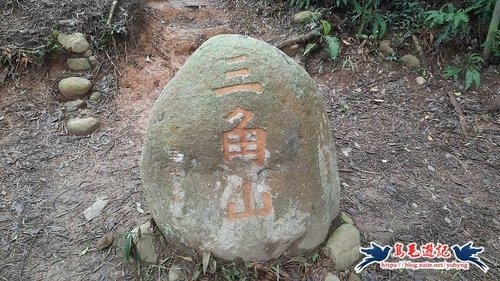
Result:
[{"x": 238, "y": 157}]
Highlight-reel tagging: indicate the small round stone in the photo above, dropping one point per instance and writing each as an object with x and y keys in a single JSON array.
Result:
[
  {"x": 420, "y": 80},
  {"x": 87, "y": 53},
  {"x": 411, "y": 61},
  {"x": 83, "y": 126},
  {"x": 303, "y": 16},
  {"x": 75, "y": 105},
  {"x": 93, "y": 60},
  {"x": 73, "y": 88},
  {"x": 95, "y": 96},
  {"x": 79, "y": 64},
  {"x": 74, "y": 42}
]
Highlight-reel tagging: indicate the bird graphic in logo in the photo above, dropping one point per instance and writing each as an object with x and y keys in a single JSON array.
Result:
[
  {"x": 374, "y": 254},
  {"x": 468, "y": 253}
]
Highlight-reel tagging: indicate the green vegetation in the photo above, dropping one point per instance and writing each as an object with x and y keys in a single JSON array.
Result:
[
  {"x": 460, "y": 23},
  {"x": 233, "y": 273},
  {"x": 469, "y": 69},
  {"x": 330, "y": 43},
  {"x": 111, "y": 31},
  {"x": 128, "y": 247},
  {"x": 454, "y": 23},
  {"x": 14, "y": 59},
  {"x": 367, "y": 16}
]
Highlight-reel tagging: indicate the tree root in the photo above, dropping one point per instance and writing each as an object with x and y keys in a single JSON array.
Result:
[
  {"x": 300, "y": 38},
  {"x": 419, "y": 50}
]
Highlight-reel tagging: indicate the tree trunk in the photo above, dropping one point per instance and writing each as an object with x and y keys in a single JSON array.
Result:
[{"x": 495, "y": 19}]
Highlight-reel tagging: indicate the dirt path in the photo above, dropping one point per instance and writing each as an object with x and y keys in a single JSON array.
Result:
[
  {"x": 407, "y": 172},
  {"x": 49, "y": 177}
]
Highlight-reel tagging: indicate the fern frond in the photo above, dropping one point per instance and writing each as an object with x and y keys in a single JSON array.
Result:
[
  {"x": 474, "y": 58},
  {"x": 472, "y": 76},
  {"x": 332, "y": 46},
  {"x": 434, "y": 18},
  {"x": 379, "y": 27},
  {"x": 459, "y": 19},
  {"x": 452, "y": 72},
  {"x": 444, "y": 35}
]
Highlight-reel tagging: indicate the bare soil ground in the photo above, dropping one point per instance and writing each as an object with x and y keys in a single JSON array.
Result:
[{"x": 407, "y": 171}]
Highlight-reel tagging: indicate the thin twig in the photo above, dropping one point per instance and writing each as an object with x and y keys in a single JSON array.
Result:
[
  {"x": 461, "y": 116},
  {"x": 16, "y": 101},
  {"x": 363, "y": 171},
  {"x": 114, "y": 65},
  {"x": 26, "y": 255},
  {"x": 72, "y": 209},
  {"x": 111, "y": 11},
  {"x": 346, "y": 170}
]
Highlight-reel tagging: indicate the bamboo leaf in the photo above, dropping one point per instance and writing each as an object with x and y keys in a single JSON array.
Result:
[
  {"x": 127, "y": 247},
  {"x": 205, "y": 260},
  {"x": 309, "y": 48}
]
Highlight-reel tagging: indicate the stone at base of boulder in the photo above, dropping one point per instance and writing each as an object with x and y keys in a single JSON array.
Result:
[
  {"x": 343, "y": 246},
  {"x": 174, "y": 274},
  {"x": 353, "y": 277},
  {"x": 345, "y": 218},
  {"x": 83, "y": 126},
  {"x": 143, "y": 237},
  {"x": 331, "y": 277}
]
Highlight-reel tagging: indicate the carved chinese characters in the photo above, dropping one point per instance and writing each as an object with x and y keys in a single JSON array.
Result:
[
  {"x": 248, "y": 144},
  {"x": 238, "y": 157},
  {"x": 254, "y": 87},
  {"x": 250, "y": 210},
  {"x": 242, "y": 142}
]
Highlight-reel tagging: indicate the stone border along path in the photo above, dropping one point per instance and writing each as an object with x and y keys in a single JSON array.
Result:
[{"x": 74, "y": 88}]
